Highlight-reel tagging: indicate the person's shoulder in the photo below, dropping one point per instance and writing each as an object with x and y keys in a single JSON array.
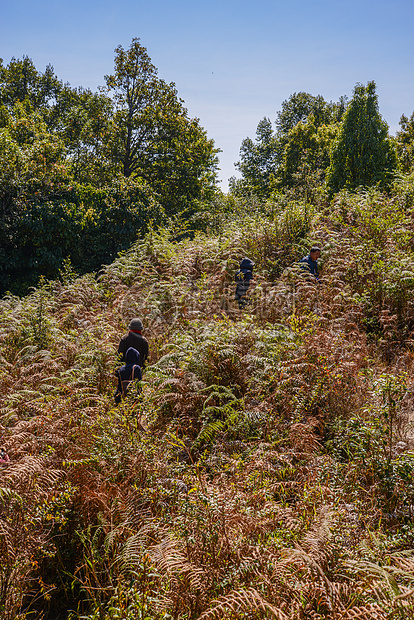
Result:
[
  {"x": 141, "y": 338},
  {"x": 144, "y": 341},
  {"x": 122, "y": 346}
]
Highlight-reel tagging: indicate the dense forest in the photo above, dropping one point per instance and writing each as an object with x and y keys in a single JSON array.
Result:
[
  {"x": 264, "y": 465},
  {"x": 84, "y": 173}
]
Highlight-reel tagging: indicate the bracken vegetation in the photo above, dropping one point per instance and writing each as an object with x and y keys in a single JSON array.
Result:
[
  {"x": 264, "y": 471},
  {"x": 264, "y": 467}
]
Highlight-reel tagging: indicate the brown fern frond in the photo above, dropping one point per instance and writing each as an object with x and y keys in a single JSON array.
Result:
[
  {"x": 303, "y": 560},
  {"x": 241, "y": 602},
  {"x": 135, "y": 546},
  {"x": 7, "y": 540},
  {"x": 371, "y": 611},
  {"x": 316, "y": 540},
  {"x": 31, "y": 472},
  {"x": 169, "y": 558}
]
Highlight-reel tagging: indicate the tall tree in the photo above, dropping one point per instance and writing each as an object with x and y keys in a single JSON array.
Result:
[
  {"x": 154, "y": 137},
  {"x": 33, "y": 165},
  {"x": 84, "y": 121},
  {"x": 136, "y": 89},
  {"x": 259, "y": 160},
  {"x": 20, "y": 81},
  {"x": 301, "y": 105},
  {"x": 275, "y": 157},
  {"x": 405, "y": 143},
  {"x": 306, "y": 155},
  {"x": 362, "y": 154}
]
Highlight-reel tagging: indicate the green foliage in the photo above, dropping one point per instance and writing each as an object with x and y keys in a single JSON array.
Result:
[
  {"x": 133, "y": 157},
  {"x": 295, "y": 155},
  {"x": 300, "y": 106},
  {"x": 379, "y": 264},
  {"x": 20, "y": 81},
  {"x": 405, "y": 143},
  {"x": 306, "y": 157},
  {"x": 403, "y": 188},
  {"x": 364, "y": 449},
  {"x": 34, "y": 166},
  {"x": 84, "y": 122},
  {"x": 362, "y": 154},
  {"x": 89, "y": 226},
  {"x": 258, "y": 161},
  {"x": 154, "y": 138}
]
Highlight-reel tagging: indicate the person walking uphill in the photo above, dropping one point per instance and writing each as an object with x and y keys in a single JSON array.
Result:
[
  {"x": 310, "y": 262},
  {"x": 136, "y": 340},
  {"x": 128, "y": 373},
  {"x": 243, "y": 279}
]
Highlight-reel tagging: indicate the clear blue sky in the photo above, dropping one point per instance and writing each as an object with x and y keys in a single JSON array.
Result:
[{"x": 233, "y": 62}]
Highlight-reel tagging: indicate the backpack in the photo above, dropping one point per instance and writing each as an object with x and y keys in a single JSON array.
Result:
[{"x": 126, "y": 383}]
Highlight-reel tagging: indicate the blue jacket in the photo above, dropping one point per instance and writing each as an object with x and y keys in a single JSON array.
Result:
[
  {"x": 131, "y": 370},
  {"x": 310, "y": 265},
  {"x": 243, "y": 277}
]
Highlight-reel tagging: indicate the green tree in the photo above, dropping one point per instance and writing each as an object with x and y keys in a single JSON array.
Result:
[
  {"x": 259, "y": 160},
  {"x": 275, "y": 157},
  {"x": 33, "y": 161},
  {"x": 301, "y": 105},
  {"x": 20, "y": 81},
  {"x": 84, "y": 121},
  {"x": 362, "y": 155},
  {"x": 154, "y": 138},
  {"x": 135, "y": 85},
  {"x": 83, "y": 174},
  {"x": 80, "y": 118},
  {"x": 405, "y": 143},
  {"x": 305, "y": 157},
  {"x": 87, "y": 225},
  {"x": 33, "y": 170}
]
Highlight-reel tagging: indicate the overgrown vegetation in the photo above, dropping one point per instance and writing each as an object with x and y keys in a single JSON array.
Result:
[
  {"x": 83, "y": 174},
  {"x": 266, "y": 468}
]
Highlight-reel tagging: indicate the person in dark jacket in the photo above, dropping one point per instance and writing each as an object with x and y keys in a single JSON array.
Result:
[
  {"x": 310, "y": 262},
  {"x": 243, "y": 279},
  {"x": 135, "y": 339},
  {"x": 130, "y": 371}
]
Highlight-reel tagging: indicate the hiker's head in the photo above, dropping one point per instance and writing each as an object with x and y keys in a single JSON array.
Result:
[
  {"x": 136, "y": 325},
  {"x": 246, "y": 263},
  {"x": 132, "y": 356},
  {"x": 315, "y": 253}
]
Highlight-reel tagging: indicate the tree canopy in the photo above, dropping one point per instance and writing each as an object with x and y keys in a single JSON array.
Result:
[
  {"x": 67, "y": 155},
  {"x": 278, "y": 157},
  {"x": 362, "y": 154},
  {"x": 405, "y": 143},
  {"x": 21, "y": 81},
  {"x": 84, "y": 173},
  {"x": 153, "y": 136},
  {"x": 317, "y": 148},
  {"x": 259, "y": 159}
]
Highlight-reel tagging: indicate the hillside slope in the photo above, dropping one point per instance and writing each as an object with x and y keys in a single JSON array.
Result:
[{"x": 266, "y": 468}]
